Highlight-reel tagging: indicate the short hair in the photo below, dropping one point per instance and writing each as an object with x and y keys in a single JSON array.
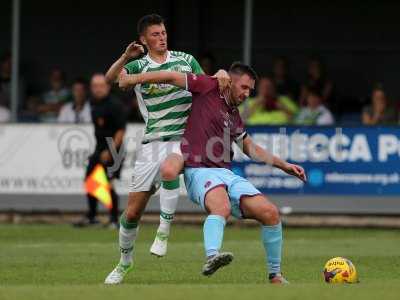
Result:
[
  {"x": 314, "y": 92},
  {"x": 60, "y": 71},
  {"x": 265, "y": 77},
  {"x": 147, "y": 21},
  {"x": 282, "y": 59},
  {"x": 80, "y": 80},
  {"x": 240, "y": 68},
  {"x": 378, "y": 86}
]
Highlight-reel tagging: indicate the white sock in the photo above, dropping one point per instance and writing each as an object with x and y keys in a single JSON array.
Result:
[
  {"x": 169, "y": 195},
  {"x": 127, "y": 237}
]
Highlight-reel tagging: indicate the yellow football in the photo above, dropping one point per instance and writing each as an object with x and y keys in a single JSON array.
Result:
[{"x": 340, "y": 270}]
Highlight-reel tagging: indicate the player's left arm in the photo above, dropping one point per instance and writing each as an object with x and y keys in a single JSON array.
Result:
[{"x": 257, "y": 153}]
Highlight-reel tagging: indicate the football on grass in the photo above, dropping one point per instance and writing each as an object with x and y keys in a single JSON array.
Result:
[{"x": 340, "y": 270}]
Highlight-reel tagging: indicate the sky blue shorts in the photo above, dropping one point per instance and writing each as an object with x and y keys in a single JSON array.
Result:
[{"x": 199, "y": 181}]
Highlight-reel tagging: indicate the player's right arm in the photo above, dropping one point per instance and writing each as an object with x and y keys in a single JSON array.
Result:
[
  {"x": 174, "y": 78},
  {"x": 133, "y": 50}
]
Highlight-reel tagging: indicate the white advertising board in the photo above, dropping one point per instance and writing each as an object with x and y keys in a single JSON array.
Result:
[{"x": 51, "y": 159}]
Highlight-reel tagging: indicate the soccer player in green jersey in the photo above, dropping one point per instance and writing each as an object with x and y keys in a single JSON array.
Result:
[{"x": 165, "y": 109}]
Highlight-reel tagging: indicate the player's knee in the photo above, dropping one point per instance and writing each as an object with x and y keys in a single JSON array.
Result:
[
  {"x": 225, "y": 213},
  {"x": 269, "y": 214},
  {"x": 168, "y": 172},
  {"x": 223, "y": 210},
  {"x": 131, "y": 215}
]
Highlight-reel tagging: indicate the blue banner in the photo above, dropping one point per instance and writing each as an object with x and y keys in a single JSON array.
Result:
[{"x": 338, "y": 161}]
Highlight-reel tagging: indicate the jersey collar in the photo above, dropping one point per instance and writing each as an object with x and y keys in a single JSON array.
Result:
[{"x": 156, "y": 63}]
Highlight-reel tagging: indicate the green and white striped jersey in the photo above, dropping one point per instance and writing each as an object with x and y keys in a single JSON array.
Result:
[{"x": 165, "y": 108}]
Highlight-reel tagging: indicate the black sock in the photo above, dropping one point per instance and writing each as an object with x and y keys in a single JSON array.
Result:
[
  {"x": 114, "y": 210},
  {"x": 92, "y": 203}
]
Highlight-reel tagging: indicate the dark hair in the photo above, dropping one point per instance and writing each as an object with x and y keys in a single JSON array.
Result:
[
  {"x": 282, "y": 59},
  {"x": 314, "y": 91},
  {"x": 377, "y": 86},
  {"x": 59, "y": 70},
  {"x": 80, "y": 80},
  {"x": 321, "y": 64},
  {"x": 265, "y": 77},
  {"x": 240, "y": 68},
  {"x": 148, "y": 20}
]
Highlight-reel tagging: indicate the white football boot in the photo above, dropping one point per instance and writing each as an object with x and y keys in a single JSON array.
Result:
[
  {"x": 117, "y": 275},
  {"x": 160, "y": 245}
]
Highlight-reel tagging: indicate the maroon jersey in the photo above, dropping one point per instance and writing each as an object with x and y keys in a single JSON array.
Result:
[{"x": 211, "y": 127}]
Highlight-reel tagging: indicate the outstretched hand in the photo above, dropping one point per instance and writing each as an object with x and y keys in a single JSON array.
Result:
[
  {"x": 134, "y": 50},
  {"x": 296, "y": 170}
]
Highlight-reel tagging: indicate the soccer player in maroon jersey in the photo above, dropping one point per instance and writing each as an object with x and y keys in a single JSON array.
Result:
[{"x": 213, "y": 125}]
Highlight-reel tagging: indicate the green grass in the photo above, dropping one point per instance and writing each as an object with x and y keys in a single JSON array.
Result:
[{"x": 59, "y": 262}]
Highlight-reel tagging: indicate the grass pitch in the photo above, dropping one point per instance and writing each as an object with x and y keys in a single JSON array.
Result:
[{"x": 59, "y": 262}]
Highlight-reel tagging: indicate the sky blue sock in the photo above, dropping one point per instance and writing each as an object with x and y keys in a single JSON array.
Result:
[
  {"x": 213, "y": 234},
  {"x": 272, "y": 240}
]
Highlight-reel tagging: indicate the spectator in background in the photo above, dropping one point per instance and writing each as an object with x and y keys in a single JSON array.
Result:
[
  {"x": 285, "y": 85},
  {"x": 317, "y": 80},
  {"x": 5, "y": 114},
  {"x": 267, "y": 108},
  {"x": 5, "y": 88},
  {"x": 77, "y": 111},
  {"x": 315, "y": 113},
  {"x": 207, "y": 63},
  {"x": 379, "y": 112},
  {"x": 5, "y": 81},
  {"x": 55, "y": 98}
]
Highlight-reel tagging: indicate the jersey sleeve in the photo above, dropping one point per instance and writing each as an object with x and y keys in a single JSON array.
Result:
[
  {"x": 190, "y": 60},
  {"x": 132, "y": 67},
  {"x": 197, "y": 84}
]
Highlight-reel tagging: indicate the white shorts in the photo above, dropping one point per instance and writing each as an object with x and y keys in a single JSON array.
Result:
[{"x": 146, "y": 171}]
